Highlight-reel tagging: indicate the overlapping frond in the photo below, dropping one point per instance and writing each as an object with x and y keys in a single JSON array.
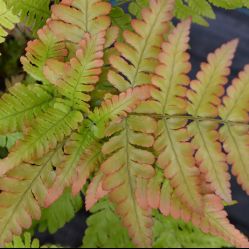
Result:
[
  {"x": 125, "y": 164},
  {"x": 213, "y": 218},
  {"x": 210, "y": 157},
  {"x": 23, "y": 192},
  {"x": 60, "y": 213},
  {"x": 82, "y": 152},
  {"x": 204, "y": 96},
  {"x": 95, "y": 191},
  {"x": 76, "y": 79},
  {"x": 69, "y": 23},
  {"x": 105, "y": 229},
  {"x": 80, "y": 160},
  {"x": 72, "y": 18},
  {"x": 128, "y": 150},
  {"x": 117, "y": 107},
  {"x": 47, "y": 131},
  {"x": 7, "y": 20},
  {"x": 172, "y": 136},
  {"x": 21, "y": 105},
  {"x": 235, "y": 135},
  {"x": 209, "y": 86},
  {"x": 138, "y": 54},
  {"x": 33, "y": 12},
  {"x": 47, "y": 46}
]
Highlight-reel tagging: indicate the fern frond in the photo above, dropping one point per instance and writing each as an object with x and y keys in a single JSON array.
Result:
[
  {"x": 213, "y": 219},
  {"x": 61, "y": 212},
  {"x": 202, "y": 7},
  {"x": 172, "y": 136},
  {"x": 95, "y": 191},
  {"x": 171, "y": 233},
  {"x": 141, "y": 47},
  {"x": 210, "y": 82},
  {"x": 205, "y": 96},
  {"x": 124, "y": 165},
  {"x": 80, "y": 74},
  {"x": 33, "y": 12},
  {"x": 69, "y": 22},
  {"x": 235, "y": 137},
  {"x": 120, "y": 18},
  {"x": 22, "y": 104},
  {"x": 211, "y": 158},
  {"x": 25, "y": 242},
  {"x": 118, "y": 107},
  {"x": 135, "y": 7},
  {"x": 49, "y": 129},
  {"x": 82, "y": 153},
  {"x": 7, "y": 20},
  {"x": 227, "y": 4},
  {"x": 47, "y": 46},
  {"x": 100, "y": 232},
  {"x": 71, "y": 19},
  {"x": 184, "y": 11},
  {"x": 81, "y": 158},
  {"x": 235, "y": 103},
  {"x": 23, "y": 192}
]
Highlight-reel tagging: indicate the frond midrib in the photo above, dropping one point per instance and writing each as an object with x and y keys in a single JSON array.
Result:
[
  {"x": 178, "y": 161},
  {"x": 29, "y": 188},
  {"x": 131, "y": 187},
  {"x": 43, "y": 103},
  {"x": 187, "y": 117}
]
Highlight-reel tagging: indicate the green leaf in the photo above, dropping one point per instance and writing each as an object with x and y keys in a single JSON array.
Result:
[
  {"x": 202, "y": 7},
  {"x": 136, "y": 6},
  {"x": 33, "y": 13},
  {"x": 105, "y": 229},
  {"x": 170, "y": 233},
  {"x": 61, "y": 212},
  {"x": 7, "y": 20},
  {"x": 120, "y": 18},
  {"x": 24, "y": 242},
  {"x": 227, "y": 4}
]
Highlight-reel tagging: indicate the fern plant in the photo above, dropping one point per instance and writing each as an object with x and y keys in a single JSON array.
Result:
[
  {"x": 199, "y": 10},
  {"x": 167, "y": 232},
  {"x": 7, "y": 20},
  {"x": 26, "y": 242},
  {"x": 124, "y": 120}
]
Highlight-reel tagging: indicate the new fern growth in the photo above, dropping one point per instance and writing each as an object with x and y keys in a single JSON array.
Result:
[{"x": 153, "y": 138}]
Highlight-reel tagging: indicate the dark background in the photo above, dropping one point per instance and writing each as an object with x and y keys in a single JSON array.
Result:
[{"x": 227, "y": 26}]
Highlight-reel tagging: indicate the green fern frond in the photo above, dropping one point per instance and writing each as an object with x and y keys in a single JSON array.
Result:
[
  {"x": 23, "y": 242},
  {"x": 227, "y": 4},
  {"x": 22, "y": 104},
  {"x": 61, "y": 212},
  {"x": 26, "y": 241},
  {"x": 168, "y": 232},
  {"x": 100, "y": 232},
  {"x": 171, "y": 233},
  {"x": 33, "y": 12},
  {"x": 136, "y": 6},
  {"x": 46, "y": 47},
  {"x": 25, "y": 188},
  {"x": 120, "y": 18},
  {"x": 7, "y": 20}
]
